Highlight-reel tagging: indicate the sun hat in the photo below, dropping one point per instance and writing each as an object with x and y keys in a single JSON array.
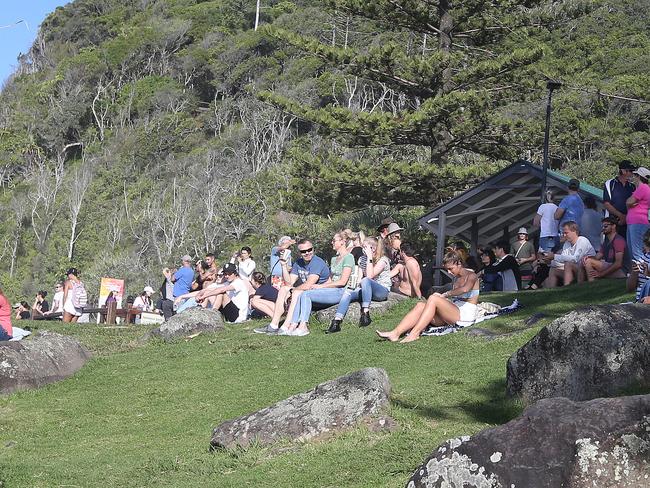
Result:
[
  {"x": 522, "y": 230},
  {"x": 393, "y": 227}
]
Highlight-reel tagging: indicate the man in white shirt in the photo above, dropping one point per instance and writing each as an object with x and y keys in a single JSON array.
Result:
[
  {"x": 231, "y": 299},
  {"x": 566, "y": 265}
]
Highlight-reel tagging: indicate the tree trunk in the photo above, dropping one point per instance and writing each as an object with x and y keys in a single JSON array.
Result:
[{"x": 440, "y": 147}]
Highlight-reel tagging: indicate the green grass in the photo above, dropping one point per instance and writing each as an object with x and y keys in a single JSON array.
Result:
[{"x": 139, "y": 416}]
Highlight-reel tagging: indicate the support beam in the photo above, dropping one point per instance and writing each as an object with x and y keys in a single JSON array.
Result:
[
  {"x": 440, "y": 247},
  {"x": 474, "y": 237}
]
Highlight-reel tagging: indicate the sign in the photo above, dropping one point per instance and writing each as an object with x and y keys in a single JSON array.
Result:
[{"x": 109, "y": 285}]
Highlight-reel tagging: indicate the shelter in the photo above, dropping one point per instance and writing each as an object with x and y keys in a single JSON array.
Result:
[{"x": 497, "y": 207}]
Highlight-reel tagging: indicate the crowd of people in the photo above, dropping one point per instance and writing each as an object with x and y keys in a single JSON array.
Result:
[{"x": 575, "y": 243}]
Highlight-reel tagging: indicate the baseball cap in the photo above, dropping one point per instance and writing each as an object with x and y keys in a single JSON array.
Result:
[
  {"x": 574, "y": 184},
  {"x": 148, "y": 289},
  {"x": 229, "y": 268},
  {"x": 641, "y": 171}
]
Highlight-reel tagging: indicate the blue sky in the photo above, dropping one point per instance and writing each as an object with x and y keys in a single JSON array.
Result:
[{"x": 15, "y": 39}]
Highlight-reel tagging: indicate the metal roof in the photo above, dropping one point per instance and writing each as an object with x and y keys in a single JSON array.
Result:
[{"x": 500, "y": 204}]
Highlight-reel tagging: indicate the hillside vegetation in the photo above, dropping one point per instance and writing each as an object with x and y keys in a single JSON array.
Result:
[{"x": 135, "y": 131}]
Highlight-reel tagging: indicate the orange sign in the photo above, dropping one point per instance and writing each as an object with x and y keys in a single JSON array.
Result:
[{"x": 109, "y": 285}]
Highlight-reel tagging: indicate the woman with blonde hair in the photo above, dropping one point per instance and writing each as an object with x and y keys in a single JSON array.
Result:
[
  {"x": 456, "y": 306},
  {"x": 374, "y": 286}
]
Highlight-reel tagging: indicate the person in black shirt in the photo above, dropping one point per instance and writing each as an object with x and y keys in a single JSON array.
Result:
[
  {"x": 40, "y": 306},
  {"x": 506, "y": 266},
  {"x": 263, "y": 302}
]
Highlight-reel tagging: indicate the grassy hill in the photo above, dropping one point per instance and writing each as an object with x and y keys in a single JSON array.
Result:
[{"x": 142, "y": 415}]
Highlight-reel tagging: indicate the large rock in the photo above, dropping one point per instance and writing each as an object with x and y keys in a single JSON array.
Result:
[
  {"x": 39, "y": 360},
  {"x": 191, "y": 321},
  {"x": 331, "y": 406},
  {"x": 354, "y": 312},
  {"x": 593, "y": 352},
  {"x": 554, "y": 443}
]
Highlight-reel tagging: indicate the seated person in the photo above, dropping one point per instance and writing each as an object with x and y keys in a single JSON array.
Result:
[
  {"x": 506, "y": 266},
  {"x": 490, "y": 280},
  {"x": 566, "y": 265},
  {"x": 608, "y": 262},
  {"x": 638, "y": 278},
  {"x": 263, "y": 301},
  {"x": 456, "y": 306},
  {"x": 309, "y": 269},
  {"x": 407, "y": 276},
  {"x": 143, "y": 300},
  {"x": 40, "y": 306},
  {"x": 231, "y": 299},
  {"x": 57, "y": 303},
  {"x": 22, "y": 311}
]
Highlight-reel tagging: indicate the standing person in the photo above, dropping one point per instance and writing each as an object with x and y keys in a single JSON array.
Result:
[
  {"x": 506, "y": 266},
  {"x": 244, "y": 261},
  {"x": 608, "y": 262},
  {"x": 72, "y": 291},
  {"x": 57, "y": 302},
  {"x": 374, "y": 286},
  {"x": 281, "y": 251},
  {"x": 547, "y": 223},
  {"x": 40, "y": 306},
  {"x": 327, "y": 293},
  {"x": 524, "y": 253},
  {"x": 616, "y": 192},
  {"x": 591, "y": 224},
  {"x": 571, "y": 207},
  {"x": 6, "y": 331},
  {"x": 306, "y": 271},
  {"x": 456, "y": 306},
  {"x": 637, "y": 213},
  {"x": 231, "y": 299}
]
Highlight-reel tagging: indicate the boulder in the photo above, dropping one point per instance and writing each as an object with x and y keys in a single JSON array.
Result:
[
  {"x": 330, "y": 407},
  {"x": 354, "y": 312},
  {"x": 44, "y": 358},
  {"x": 191, "y": 321},
  {"x": 556, "y": 442},
  {"x": 589, "y": 353}
]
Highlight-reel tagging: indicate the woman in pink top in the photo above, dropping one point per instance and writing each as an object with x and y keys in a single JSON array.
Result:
[
  {"x": 637, "y": 214},
  {"x": 6, "y": 332}
]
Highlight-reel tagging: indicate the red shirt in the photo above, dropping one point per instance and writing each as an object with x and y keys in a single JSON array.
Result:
[{"x": 5, "y": 315}]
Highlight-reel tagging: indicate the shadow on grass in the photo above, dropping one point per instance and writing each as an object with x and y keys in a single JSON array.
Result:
[
  {"x": 492, "y": 406},
  {"x": 425, "y": 411}
]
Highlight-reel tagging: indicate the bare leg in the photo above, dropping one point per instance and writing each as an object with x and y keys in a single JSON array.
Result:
[
  {"x": 278, "y": 309},
  {"x": 570, "y": 272},
  {"x": 406, "y": 324},
  {"x": 551, "y": 281},
  {"x": 67, "y": 317},
  {"x": 265, "y": 306},
  {"x": 437, "y": 307},
  {"x": 217, "y": 301},
  {"x": 295, "y": 297}
]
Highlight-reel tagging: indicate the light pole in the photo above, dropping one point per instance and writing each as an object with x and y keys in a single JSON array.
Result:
[{"x": 550, "y": 85}]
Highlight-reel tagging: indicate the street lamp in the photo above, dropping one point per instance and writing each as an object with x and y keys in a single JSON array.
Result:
[{"x": 550, "y": 85}]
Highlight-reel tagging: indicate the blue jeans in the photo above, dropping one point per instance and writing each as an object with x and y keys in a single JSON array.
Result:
[
  {"x": 548, "y": 243},
  {"x": 348, "y": 297},
  {"x": 4, "y": 336},
  {"x": 634, "y": 239},
  {"x": 189, "y": 303},
  {"x": 324, "y": 296},
  {"x": 644, "y": 291},
  {"x": 371, "y": 290}
]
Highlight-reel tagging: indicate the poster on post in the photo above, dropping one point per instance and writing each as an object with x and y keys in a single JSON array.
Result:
[{"x": 108, "y": 285}]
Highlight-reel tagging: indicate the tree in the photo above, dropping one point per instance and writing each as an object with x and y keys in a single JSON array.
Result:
[
  {"x": 81, "y": 179},
  {"x": 451, "y": 94}
]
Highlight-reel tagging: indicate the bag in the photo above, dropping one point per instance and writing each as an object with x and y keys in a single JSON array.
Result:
[
  {"x": 355, "y": 278},
  {"x": 79, "y": 295}
]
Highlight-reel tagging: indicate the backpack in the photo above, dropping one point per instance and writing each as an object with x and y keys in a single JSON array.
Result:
[{"x": 79, "y": 295}]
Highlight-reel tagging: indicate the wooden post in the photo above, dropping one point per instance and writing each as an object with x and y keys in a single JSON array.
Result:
[
  {"x": 440, "y": 247},
  {"x": 111, "y": 313},
  {"x": 474, "y": 237}
]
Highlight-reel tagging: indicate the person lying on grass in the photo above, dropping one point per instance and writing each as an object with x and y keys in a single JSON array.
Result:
[{"x": 456, "y": 306}]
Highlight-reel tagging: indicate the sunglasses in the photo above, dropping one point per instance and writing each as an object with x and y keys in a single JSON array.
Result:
[{"x": 305, "y": 251}]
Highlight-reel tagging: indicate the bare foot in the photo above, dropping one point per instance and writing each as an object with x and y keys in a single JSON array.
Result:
[
  {"x": 386, "y": 335},
  {"x": 410, "y": 338}
]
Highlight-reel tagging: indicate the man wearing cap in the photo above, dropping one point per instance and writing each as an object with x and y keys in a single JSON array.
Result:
[
  {"x": 608, "y": 262},
  {"x": 616, "y": 192},
  {"x": 524, "y": 253},
  {"x": 231, "y": 299},
  {"x": 281, "y": 251},
  {"x": 183, "y": 277},
  {"x": 637, "y": 213},
  {"x": 571, "y": 207}
]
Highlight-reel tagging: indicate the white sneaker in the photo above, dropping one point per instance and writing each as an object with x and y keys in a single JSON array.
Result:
[
  {"x": 300, "y": 332},
  {"x": 284, "y": 332}
]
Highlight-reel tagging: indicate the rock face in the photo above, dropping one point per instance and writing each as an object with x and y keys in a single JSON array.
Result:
[
  {"x": 45, "y": 358},
  {"x": 189, "y": 322},
  {"x": 331, "y": 406},
  {"x": 590, "y": 353},
  {"x": 555, "y": 443},
  {"x": 354, "y": 312}
]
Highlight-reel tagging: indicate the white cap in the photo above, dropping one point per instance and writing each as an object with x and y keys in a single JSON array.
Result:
[{"x": 148, "y": 289}]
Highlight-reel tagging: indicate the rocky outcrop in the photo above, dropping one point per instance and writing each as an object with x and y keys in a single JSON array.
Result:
[
  {"x": 556, "y": 442},
  {"x": 593, "y": 352},
  {"x": 330, "y": 407},
  {"x": 354, "y": 312},
  {"x": 191, "y": 321},
  {"x": 45, "y": 358}
]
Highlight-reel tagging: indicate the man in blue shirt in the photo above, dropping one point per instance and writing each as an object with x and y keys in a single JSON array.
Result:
[
  {"x": 616, "y": 192},
  {"x": 183, "y": 278},
  {"x": 571, "y": 207},
  {"x": 307, "y": 270}
]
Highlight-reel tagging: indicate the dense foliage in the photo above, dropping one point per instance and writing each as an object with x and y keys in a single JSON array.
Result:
[{"x": 135, "y": 131}]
